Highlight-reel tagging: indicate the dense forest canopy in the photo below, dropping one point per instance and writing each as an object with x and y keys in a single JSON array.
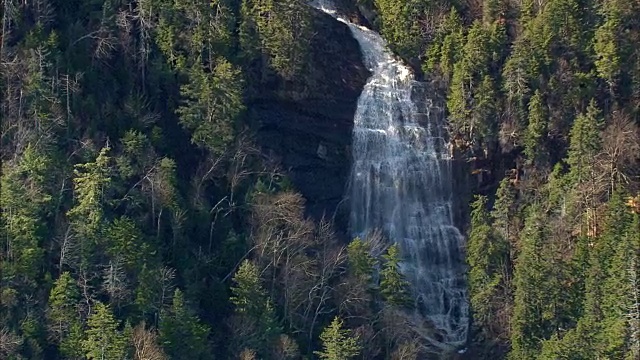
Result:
[{"x": 141, "y": 220}]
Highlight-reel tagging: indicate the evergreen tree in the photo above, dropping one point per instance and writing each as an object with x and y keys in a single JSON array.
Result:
[
  {"x": 361, "y": 262},
  {"x": 25, "y": 201},
  {"x": 471, "y": 100},
  {"x": 504, "y": 212},
  {"x": 399, "y": 26},
  {"x": 484, "y": 113},
  {"x": 487, "y": 256},
  {"x": 608, "y": 288},
  {"x": 213, "y": 104},
  {"x": 282, "y": 28},
  {"x": 608, "y": 62},
  {"x": 126, "y": 242},
  {"x": 492, "y": 10},
  {"x": 530, "y": 319},
  {"x": 92, "y": 189},
  {"x": 254, "y": 307},
  {"x": 63, "y": 302},
  {"x": 103, "y": 339},
  {"x": 338, "y": 343},
  {"x": 393, "y": 286},
  {"x": 535, "y": 135},
  {"x": 632, "y": 312},
  {"x": 585, "y": 143},
  {"x": 182, "y": 334},
  {"x": 444, "y": 52}
]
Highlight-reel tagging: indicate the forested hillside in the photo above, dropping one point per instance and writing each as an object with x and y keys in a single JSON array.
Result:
[
  {"x": 545, "y": 95},
  {"x": 147, "y": 211},
  {"x": 153, "y": 209}
]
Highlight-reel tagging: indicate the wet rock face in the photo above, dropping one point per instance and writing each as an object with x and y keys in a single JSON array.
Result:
[{"x": 310, "y": 133}]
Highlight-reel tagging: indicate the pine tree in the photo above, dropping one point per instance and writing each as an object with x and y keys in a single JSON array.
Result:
[
  {"x": 535, "y": 135},
  {"x": 487, "y": 255},
  {"x": 608, "y": 62},
  {"x": 587, "y": 184},
  {"x": 146, "y": 293},
  {"x": 212, "y": 105},
  {"x": 63, "y": 312},
  {"x": 484, "y": 112},
  {"x": 504, "y": 212},
  {"x": 445, "y": 51},
  {"x": 338, "y": 343},
  {"x": 399, "y": 26},
  {"x": 91, "y": 181},
  {"x": 530, "y": 303},
  {"x": 182, "y": 334},
  {"x": 283, "y": 29},
  {"x": 471, "y": 100},
  {"x": 393, "y": 286},
  {"x": 126, "y": 242},
  {"x": 92, "y": 190},
  {"x": 523, "y": 69},
  {"x": 361, "y": 262},
  {"x": 25, "y": 200},
  {"x": 632, "y": 313},
  {"x": 608, "y": 296},
  {"x": 254, "y": 306},
  {"x": 103, "y": 339},
  {"x": 585, "y": 143},
  {"x": 492, "y": 10}
]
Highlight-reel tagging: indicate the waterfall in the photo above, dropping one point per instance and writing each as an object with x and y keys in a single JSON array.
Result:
[{"x": 401, "y": 183}]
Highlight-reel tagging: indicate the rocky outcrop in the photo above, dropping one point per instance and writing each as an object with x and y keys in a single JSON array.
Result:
[{"x": 310, "y": 133}]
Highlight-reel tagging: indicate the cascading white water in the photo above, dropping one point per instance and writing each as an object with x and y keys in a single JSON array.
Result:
[{"x": 401, "y": 183}]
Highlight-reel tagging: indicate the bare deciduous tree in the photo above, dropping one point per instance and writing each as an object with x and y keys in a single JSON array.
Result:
[
  {"x": 247, "y": 354},
  {"x": 330, "y": 263},
  {"x": 145, "y": 344},
  {"x": 115, "y": 282},
  {"x": 410, "y": 350},
  {"x": 9, "y": 343},
  {"x": 620, "y": 149},
  {"x": 286, "y": 348}
]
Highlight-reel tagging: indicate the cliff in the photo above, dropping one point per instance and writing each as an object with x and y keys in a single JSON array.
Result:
[{"x": 309, "y": 131}]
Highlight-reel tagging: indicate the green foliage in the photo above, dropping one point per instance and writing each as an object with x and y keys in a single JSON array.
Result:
[
  {"x": 213, "y": 103},
  {"x": 62, "y": 314},
  {"x": 487, "y": 254},
  {"x": 535, "y": 135},
  {"x": 168, "y": 81},
  {"x": 91, "y": 187},
  {"x": 182, "y": 334},
  {"x": 103, "y": 339},
  {"x": 608, "y": 289},
  {"x": 150, "y": 292},
  {"x": 607, "y": 48},
  {"x": 393, "y": 286},
  {"x": 446, "y": 48},
  {"x": 399, "y": 26},
  {"x": 528, "y": 59},
  {"x": 136, "y": 156},
  {"x": 280, "y": 29},
  {"x": 585, "y": 143},
  {"x": 338, "y": 343},
  {"x": 24, "y": 198},
  {"x": 256, "y": 309},
  {"x": 126, "y": 242},
  {"x": 472, "y": 95},
  {"x": 361, "y": 262},
  {"x": 492, "y": 10},
  {"x": 72, "y": 346},
  {"x": 531, "y": 303}
]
